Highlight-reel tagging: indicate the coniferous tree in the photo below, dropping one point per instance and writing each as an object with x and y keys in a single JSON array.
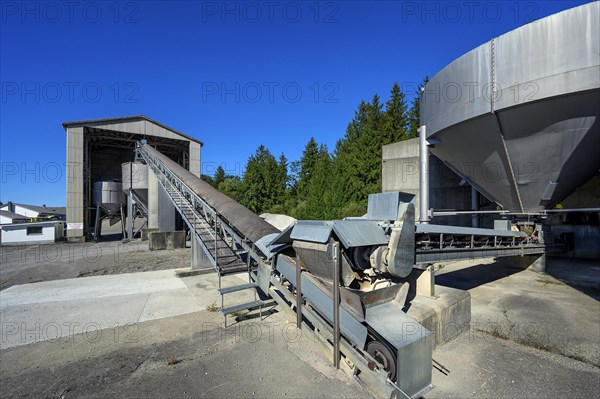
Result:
[
  {"x": 282, "y": 180},
  {"x": 396, "y": 118},
  {"x": 232, "y": 187},
  {"x": 219, "y": 176},
  {"x": 324, "y": 185},
  {"x": 263, "y": 184},
  {"x": 305, "y": 168},
  {"x": 414, "y": 115},
  {"x": 315, "y": 205}
]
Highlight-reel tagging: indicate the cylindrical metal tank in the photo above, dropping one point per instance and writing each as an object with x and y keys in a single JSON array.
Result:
[
  {"x": 135, "y": 177},
  {"x": 519, "y": 116},
  {"x": 108, "y": 194}
]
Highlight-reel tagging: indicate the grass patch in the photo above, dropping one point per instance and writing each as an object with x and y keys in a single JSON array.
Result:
[
  {"x": 212, "y": 307},
  {"x": 172, "y": 360},
  {"x": 546, "y": 282}
]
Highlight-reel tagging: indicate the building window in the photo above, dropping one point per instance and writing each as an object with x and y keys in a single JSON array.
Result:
[{"x": 33, "y": 230}]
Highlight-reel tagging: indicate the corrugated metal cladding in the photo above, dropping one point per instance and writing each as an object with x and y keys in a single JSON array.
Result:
[{"x": 519, "y": 116}]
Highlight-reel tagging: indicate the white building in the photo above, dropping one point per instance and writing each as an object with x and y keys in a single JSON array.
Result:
[
  {"x": 35, "y": 211},
  {"x": 32, "y": 233},
  {"x": 8, "y": 217}
]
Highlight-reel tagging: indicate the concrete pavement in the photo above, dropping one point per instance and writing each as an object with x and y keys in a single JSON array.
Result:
[{"x": 48, "y": 310}]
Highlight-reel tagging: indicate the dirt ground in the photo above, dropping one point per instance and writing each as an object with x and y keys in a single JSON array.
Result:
[
  {"x": 193, "y": 355},
  {"x": 22, "y": 264},
  {"x": 179, "y": 357}
]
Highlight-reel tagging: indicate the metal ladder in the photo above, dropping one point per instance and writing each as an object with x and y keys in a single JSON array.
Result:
[{"x": 224, "y": 249}]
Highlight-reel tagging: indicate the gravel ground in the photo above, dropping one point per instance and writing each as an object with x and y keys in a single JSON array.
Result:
[
  {"x": 24, "y": 264},
  {"x": 178, "y": 357},
  {"x": 193, "y": 356}
]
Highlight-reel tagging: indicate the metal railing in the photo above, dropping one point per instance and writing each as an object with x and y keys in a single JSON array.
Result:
[{"x": 200, "y": 209}]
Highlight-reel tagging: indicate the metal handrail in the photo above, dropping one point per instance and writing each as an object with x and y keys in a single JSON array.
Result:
[{"x": 196, "y": 200}]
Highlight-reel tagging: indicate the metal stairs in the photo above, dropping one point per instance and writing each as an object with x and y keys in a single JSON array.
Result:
[
  {"x": 227, "y": 259},
  {"x": 233, "y": 309},
  {"x": 225, "y": 250}
]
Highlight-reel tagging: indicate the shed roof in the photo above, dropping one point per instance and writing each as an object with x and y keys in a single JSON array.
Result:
[
  {"x": 124, "y": 119},
  {"x": 12, "y": 215},
  {"x": 51, "y": 210}
]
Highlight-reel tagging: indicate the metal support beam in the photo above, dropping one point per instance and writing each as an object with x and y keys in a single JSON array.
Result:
[
  {"x": 474, "y": 207},
  {"x": 130, "y": 216},
  {"x": 298, "y": 292},
  {"x": 336, "y": 305},
  {"x": 424, "y": 176}
]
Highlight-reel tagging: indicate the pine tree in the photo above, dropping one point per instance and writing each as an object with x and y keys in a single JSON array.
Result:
[
  {"x": 316, "y": 205},
  {"x": 414, "y": 115},
  {"x": 219, "y": 176},
  {"x": 282, "y": 180},
  {"x": 305, "y": 167},
  {"x": 232, "y": 187},
  {"x": 263, "y": 184},
  {"x": 396, "y": 119}
]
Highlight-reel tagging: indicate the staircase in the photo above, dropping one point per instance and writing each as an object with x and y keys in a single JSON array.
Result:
[{"x": 219, "y": 243}]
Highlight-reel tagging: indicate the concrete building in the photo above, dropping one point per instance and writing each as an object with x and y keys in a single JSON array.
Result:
[
  {"x": 448, "y": 191},
  {"x": 32, "y": 233},
  {"x": 95, "y": 151}
]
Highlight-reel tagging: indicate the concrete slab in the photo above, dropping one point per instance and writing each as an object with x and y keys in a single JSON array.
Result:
[
  {"x": 447, "y": 315},
  {"x": 44, "y": 311},
  {"x": 482, "y": 366},
  {"x": 90, "y": 287},
  {"x": 559, "y": 314}
]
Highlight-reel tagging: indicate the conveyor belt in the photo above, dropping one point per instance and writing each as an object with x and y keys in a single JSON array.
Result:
[
  {"x": 226, "y": 230},
  {"x": 250, "y": 225}
]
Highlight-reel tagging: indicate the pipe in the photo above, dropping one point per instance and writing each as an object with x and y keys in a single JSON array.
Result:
[
  {"x": 336, "y": 305},
  {"x": 424, "y": 176},
  {"x": 507, "y": 213},
  {"x": 475, "y": 207},
  {"x": 298, "y": 292},
  {"x": 130, "y": 205}
]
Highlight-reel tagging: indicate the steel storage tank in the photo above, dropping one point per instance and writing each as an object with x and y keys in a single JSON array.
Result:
[
  {"x": 108, "y": 195},
  {"x": 135, "y": 177},
  {"x": 519, "y": 116}
]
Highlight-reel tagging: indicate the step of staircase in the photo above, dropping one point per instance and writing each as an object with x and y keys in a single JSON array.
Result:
[
  {"x": 236, "y": 288},
  {"x": 232, "y": 268},
  {"x": 242, "y": 306}
]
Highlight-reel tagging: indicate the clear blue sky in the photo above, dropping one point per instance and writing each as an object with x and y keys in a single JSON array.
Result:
[{"x": 234, "y": 75}]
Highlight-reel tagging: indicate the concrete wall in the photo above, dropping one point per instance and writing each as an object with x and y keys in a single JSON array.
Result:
[
  {"x": 75, "y": 222},
  {"x": 586, "y": 196},
  {"x": 401, "y": 173},
  {"x": 152, "y": 200},
  {"x": 195, "y": 158},
  {"x": 17, "y": 233},
  {"x": 584, "y": 239},
  {"x": 166, "y": 211},
  {"x": 166, "y": 240}
]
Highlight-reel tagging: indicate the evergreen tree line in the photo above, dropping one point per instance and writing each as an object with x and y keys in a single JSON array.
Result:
[{"x": 326, "y": 184}]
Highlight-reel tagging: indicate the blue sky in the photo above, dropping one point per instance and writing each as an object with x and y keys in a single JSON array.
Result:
[{"x": 232, "y": 74}]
